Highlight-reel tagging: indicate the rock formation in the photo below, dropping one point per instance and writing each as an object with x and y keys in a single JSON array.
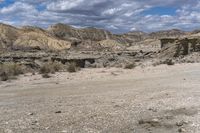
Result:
[{"x": 182, "y": 46}]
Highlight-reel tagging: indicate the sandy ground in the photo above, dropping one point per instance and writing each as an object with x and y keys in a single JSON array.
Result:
[{"x": 162, "y": 99}]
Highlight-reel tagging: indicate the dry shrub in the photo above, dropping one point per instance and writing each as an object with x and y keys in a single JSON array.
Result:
[
  {"x": 4, "y": 76},
  {"x": 129, "y": 66},
  {"x": 10, "y": 70},
  {"x": 51, "y": 67},
  {"x": 46, "y": 75},
  {"x": 72, "y": 67},
  {"x": 57, "y": 66},
  {"x": 168, "y": 62},
  {"x": 46, "y": 68}
]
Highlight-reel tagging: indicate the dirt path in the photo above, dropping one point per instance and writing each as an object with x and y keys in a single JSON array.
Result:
[{"x": 150, "y": 100}]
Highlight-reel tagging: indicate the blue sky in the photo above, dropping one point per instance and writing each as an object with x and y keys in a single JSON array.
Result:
[
  {"x": 115, "y": 15},
  {"x": 161, "y": 10},
  {"x": 6, "y": 3}
]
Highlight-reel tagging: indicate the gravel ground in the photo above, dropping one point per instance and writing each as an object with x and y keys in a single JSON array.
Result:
[{"x": 162, "y": 99}]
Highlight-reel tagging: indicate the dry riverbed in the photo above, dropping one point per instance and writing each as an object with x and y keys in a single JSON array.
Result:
[{"x": 162, "y": 99}]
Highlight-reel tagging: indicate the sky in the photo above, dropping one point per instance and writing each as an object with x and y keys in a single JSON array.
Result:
[{"x": 118, "y": 16}]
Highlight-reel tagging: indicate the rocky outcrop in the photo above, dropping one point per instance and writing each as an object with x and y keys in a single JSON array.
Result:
[
  {"x": 177, "y": 47},
  {"x": 150, "y": 41}
]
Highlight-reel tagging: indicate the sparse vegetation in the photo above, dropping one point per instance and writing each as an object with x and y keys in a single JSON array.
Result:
[
  {"x": 169, "y": 62},
  {"x": 10, "y": 70},
  {"x": 4, "y": 76},
  {"x": 46, "y": 75},
  {"x": 129, "y": 66},
  {"x": 51, "y": 67},
  {"x": 46, "y": 68},
  {"x": 57, "y": 66},
  {"x": 72, "y": 67}
]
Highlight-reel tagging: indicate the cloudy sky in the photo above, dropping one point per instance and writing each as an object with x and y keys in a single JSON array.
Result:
[{"x": 115, "y": 15}]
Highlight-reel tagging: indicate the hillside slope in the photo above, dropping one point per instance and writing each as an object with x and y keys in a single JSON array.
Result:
[
  {"x": 64, "y": 37},
  {"x": 29, "y": 38}
]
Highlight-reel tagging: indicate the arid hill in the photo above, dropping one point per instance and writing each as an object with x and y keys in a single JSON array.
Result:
[
  {"x": 36, "y": 38},
  {"x": 87, "y": 38},
  {"x": 60, "y": 37},
  {"x": 29, "y": 38},
  {"x": 8, "y": 34},
  {"x": 174, "y": 33},
  {"x": 67, "y": 32}
]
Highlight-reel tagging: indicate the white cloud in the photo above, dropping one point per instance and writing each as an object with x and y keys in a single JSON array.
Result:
[
  {"x": 16, "y": 8},
  {"x": 133, "y": 29},
  {"x": 114, "y": 15},
  {"x": 111, "y": 11},
  {"x": 112, "y": 27},
  {"x": 64, "y": 5}
]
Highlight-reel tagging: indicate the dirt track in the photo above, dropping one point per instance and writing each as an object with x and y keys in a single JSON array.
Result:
[{"x": 151, "y": 100}]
